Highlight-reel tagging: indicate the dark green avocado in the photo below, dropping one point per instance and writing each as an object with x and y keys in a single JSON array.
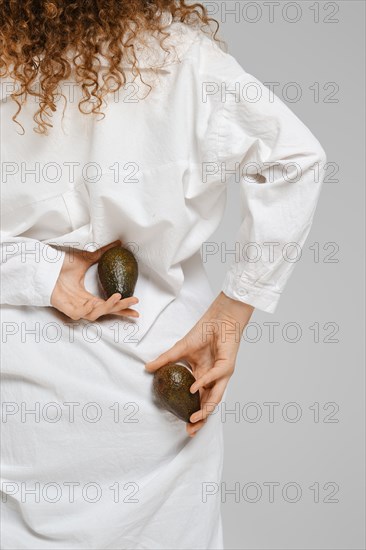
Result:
[
  {"x": 118, "y": 272},
  {"x": 171, "y": 388}
]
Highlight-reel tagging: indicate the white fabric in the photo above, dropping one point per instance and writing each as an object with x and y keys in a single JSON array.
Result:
[{"x": 164, "y": 207}]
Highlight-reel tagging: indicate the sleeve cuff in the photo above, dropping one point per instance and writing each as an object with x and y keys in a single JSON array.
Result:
[
  {"x": 259, "y": 297},
  {"x": 45, "y": 278}
]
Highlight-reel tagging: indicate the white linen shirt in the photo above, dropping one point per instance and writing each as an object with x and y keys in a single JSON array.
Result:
[{"x": 154, "y": 172}]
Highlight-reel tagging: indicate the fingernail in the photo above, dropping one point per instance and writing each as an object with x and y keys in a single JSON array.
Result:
[{"x": 193, "y": 389}]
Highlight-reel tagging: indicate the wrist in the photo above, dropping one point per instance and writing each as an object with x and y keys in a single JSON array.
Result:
[{"x": 238, "y": 310}]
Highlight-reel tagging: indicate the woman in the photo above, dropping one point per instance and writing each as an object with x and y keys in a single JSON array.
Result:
[{"x": 140, "y": 120}]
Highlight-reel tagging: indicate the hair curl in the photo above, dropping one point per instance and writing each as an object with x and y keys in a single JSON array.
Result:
[{"x": 36, "y": 36}]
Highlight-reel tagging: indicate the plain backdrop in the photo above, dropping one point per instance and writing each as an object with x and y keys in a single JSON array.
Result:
[{"x": 294, "y": 448}]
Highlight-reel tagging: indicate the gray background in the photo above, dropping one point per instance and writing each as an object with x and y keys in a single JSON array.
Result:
[{"x": 330, "y": 290}]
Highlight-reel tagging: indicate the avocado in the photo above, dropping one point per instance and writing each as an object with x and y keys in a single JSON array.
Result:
[
  {"x": 171, "y": 388},
  {"x": 118, "y": 272}
]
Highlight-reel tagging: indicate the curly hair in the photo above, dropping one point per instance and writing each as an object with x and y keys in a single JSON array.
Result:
[{"x": 37, "y": 35}]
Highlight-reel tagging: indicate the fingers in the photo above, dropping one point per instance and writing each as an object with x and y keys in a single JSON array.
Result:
[
  {"x": 210, "y": 401},
  {"x": 101, "y": 307},
  {"x": 123, "y": 307},
  {"x": 126, "y": 313},
  {"x": 209, "y": 377},
  {"x": 81, "y": 307},
  {"x": 192, "y": 429},
  {"x": 89, "y": 307},
  {"x": 173, "y": 354},
  {"x": 113, "y": 306},
  {"x": 222, "y": 368},
  {"x": 124, "y": 303}
]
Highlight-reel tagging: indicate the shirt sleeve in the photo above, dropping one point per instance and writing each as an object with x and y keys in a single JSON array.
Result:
[
  {"x": 29, "y": 271},
  {"x": 279, "y": 167}
]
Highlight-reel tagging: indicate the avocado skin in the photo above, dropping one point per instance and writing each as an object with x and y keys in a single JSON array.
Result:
[
  {"x": 118, "y": 272},
  {"x": 171, "y": 388}
]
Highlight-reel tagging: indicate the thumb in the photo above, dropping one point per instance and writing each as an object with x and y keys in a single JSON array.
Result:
[
  {"x": 94, "y": 257},
  {"x": 173, "y": 354}
]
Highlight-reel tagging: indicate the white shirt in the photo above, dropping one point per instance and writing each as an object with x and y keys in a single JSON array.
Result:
[
  {"x": 172, "y": 150},
  {"x": 154, "y": 173}
]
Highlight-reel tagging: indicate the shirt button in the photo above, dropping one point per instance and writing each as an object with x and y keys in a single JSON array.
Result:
[{"x": 242, "y": 291}]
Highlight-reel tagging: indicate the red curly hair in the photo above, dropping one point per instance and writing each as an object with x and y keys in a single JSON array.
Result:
[{"x": 36, "y": 35}]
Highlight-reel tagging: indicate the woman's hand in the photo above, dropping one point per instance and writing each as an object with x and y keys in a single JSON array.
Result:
[
  {"x": 211, "y": 348},
  {"x": 70, "y": 296}
]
